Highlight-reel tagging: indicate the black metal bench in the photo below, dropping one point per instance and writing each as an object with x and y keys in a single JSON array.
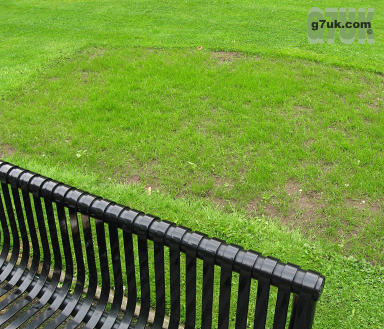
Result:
[{"x": 74, "y": 260}]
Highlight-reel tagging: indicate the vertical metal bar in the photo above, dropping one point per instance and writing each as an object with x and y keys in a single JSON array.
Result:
[
  {"x": 53, "y": 285},
  {"x": 32, "y": 233},
  {"x": 207, "y": 302},
  {"x": 261, "y": 304},
  {"x": 303, "y": 312},
  {"x": 15, "y": 235},
  {"x": 5, "y": 233},
  {"x": 50, "y": 288},
  {"x": 190, "y": 292},
  {"x": 131, "y": 279},
  {"x": 92, "y": 272},
  {"x": 160, "y": 285},
  {"x": 28, "y": 281},
  {"x": 225, "y": 296},
  {"x": 45, "y": 269},
  {"x": 243, "y": 300},
  {"x": 174, "y": 256},
  {"x": 117, "y": 275},
  {"x": 55, "y": 244},
  {"x": 144, "y": 283},
  {"x": 22, "y": 227},
  {"x": 281, "y": 309},
  {"x": 73, "y": 299},
  {"x": 25, "y": 244},
  {"x": 105, "y": 279}
]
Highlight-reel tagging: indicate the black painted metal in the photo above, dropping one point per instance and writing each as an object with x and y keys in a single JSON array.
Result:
[{"x": 70, "y": 259}]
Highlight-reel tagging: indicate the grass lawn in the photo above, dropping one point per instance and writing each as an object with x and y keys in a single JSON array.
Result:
[
  {"x": 38, "y": 33},
  {"x": 258, "y": 137}
]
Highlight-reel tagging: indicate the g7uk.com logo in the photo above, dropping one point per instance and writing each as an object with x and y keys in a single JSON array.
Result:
[{"x": 351, "y": 24}]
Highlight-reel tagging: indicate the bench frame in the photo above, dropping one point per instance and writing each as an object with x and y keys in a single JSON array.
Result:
[{"x": 32, "y": 207}]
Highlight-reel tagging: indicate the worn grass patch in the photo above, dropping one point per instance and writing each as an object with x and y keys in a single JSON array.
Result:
[
  {"x": 6, "y": 150},
  {"x": 290, "y": 139}
]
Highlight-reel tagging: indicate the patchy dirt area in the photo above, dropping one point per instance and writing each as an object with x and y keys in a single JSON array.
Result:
[
  {"x": 6, "y": 150},
  {"x": 305, "y": 205},
  {"x": 223, "y": 183},
  {"x": 299, "y": 209},
  {"x": 96, "y": 52},
  {"x": 219, "y": 202},
  {"x": 362, "y": 204},
  {"x": 134, "y": 179},
  {"x": 302, "y": 110},
  {"x": 223, "y": 57}
]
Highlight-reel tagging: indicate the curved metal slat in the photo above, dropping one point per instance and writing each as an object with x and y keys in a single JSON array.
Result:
[
  {"x": 10, "y": 265},
  {"x": 118, "y": 279},
  {"x": 144, "y": 283},
  {"x": 64, "y": 290},
  {"x": 131, "y": 279},
  {"x": 25, "y": 241},
  {"x": 92, "y": 272},
  {"x": 28, "y": 280},
  {"x": 5, "y": 233},
  {"x": 105, "y": 279},
  {"x": 160, "y": 285},
  {"x": 50, "y": 287},
  {"x": 72, "y": 300}
]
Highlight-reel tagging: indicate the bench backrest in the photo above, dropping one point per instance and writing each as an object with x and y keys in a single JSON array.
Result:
[{"x": 145, "y": 260}]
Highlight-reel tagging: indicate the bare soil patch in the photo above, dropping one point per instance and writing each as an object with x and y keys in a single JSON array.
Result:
[
  {"x": 6, "y": 150},
  {"x": 373, "y": 207},
  {"x": 223, "y": 57},
  {"x": 134, "y": 179},
  {"x": 96, "y": 52}
]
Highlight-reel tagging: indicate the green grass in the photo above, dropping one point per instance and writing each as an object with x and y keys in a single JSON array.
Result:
[
  {"x": 257, "y": 135},
  {"x": 36, "y": 33},
  {"x": 248, "y": 133}
]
